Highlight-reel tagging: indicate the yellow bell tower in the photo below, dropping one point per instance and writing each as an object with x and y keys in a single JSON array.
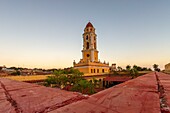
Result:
[
  {"x": 89, "y": 64},
  {"x": 89, "y": 51}
]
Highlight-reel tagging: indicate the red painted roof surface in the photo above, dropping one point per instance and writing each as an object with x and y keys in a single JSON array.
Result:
[
  {"x": 89, "y": 25},
  {"x": 164, "y": 83},
  {"x": 30, "y": 98},
  {"x": 117, "y": 78},
  {"x": 140, "y": 95}
]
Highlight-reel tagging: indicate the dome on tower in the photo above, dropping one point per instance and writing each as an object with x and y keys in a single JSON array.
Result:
[{"x": 89, "y": 25}]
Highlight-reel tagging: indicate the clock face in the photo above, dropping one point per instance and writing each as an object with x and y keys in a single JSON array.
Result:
[{"x": 88, "y": 55}]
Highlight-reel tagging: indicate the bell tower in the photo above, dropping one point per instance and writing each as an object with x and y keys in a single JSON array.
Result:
[
  {"x": 89, "y": 52},
  {"x": 90, "y": 64}
]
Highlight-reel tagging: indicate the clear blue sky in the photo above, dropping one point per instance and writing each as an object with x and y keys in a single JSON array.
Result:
[{"x": 48, "y": 33}]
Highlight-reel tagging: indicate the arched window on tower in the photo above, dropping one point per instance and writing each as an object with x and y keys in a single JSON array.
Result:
[
  {"x": 87, "y": 47},
  {"x": 87, "y": 37}
]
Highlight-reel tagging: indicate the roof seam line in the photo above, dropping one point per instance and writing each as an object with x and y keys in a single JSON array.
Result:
[
  {"x": 64, "y": 103},
  {"x": 9, "y": 98},
  {"x": 163, "y": 100}
]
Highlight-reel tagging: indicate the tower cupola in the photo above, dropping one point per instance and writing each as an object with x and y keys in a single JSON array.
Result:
[{"x": 89, "y": 25}]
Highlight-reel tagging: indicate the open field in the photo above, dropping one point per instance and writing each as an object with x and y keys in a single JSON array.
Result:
[{"x": 28, "y": 78}]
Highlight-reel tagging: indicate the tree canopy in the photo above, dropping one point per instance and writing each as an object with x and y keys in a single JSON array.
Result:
[
  {"x": 155, "y": 66},
  {"x": 70, "y": 78}
]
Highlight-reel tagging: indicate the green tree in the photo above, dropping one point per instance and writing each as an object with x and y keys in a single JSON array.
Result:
[
  {"x": 50, "y": 80},
  {"x": 58, "y": 72},
  {"x": 144, "y": 69},
  {"x": 135, "y": 67},
  {"x": 83, "y": 86},
  {"x": 155, "y": 66},
  {"x": 149, "y": 69},
  {"x": 133, "y": 72},
  {"x": 119, "y": 68},
  {"x": 75, "y": 72},
  {"x": 128, "y": 67},
  {"x": 139, "y": 68},
  {"x": 16, "y": 73},
  {"x": 73, "y": 78},
  {"x": 91, "y": 88},
  {"x": 95, "y": 82},
  {"x": 63, "y": 80}
]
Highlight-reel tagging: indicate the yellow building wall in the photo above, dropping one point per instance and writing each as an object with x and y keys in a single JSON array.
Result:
[
  {"x": 96, "y": 56},
  {"x": 167, "y": 67},
  {"x": 93, "y": 70},
  {"x": 96, "y": 77},
  {"x": 85, "y": 58},
  {"x": 84, "y": 70}
]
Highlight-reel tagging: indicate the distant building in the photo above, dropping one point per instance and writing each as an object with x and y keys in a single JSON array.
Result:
[
  {"x": 27, "y": 72},
  {"x": 90, "y": 63},
  {"x": 113, "y": 67},
  {"x": 2, "y": 72},
  {"x": 34, "y": 72},
  {"x": 9, "y": 71},
  {"x": 167, "y": 67},
  {"x": 2, "y": 67}
]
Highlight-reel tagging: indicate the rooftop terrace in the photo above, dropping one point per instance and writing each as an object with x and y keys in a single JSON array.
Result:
[{"x": 149, "y": 93}]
